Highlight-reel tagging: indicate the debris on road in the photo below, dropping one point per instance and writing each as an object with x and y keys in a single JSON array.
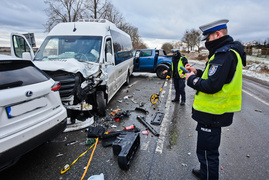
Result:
[
  {"x": 157, "y": 120},
  {"x": 145, "y": 132},
  {"x": 97, "y": 177},
  {"x": 59, "y": 154},
  {"x": 149, "y": 127},
  {"x": 257, "y": 110},
  {"x": 141, "y": 110},
  {"x": 71, "y": 143},
  {"x": 125, "y": 147}
]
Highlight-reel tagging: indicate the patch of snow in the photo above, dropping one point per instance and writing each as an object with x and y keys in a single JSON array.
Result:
[{"x": 253, "y": 67}]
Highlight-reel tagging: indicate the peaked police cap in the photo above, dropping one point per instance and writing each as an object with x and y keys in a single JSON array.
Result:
[{"x": 207, "y": 29}]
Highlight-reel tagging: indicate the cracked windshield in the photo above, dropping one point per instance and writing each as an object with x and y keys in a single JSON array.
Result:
[{"x": 81, "y": 48}]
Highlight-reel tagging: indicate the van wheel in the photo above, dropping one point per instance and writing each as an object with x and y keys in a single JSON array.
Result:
[
  {"x": 101, "y": 103},
  {"x": 159, "y": 72}
]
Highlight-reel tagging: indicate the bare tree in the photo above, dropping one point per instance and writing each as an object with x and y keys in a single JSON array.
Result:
[
  {"x": 167, "y": 47},
  {"x": 63, "y": 11},
  {"x": 186, "y": 39},
  {"x": 113, "y": 15},
  {"x": 96, "y": 8},
  {"x": 196, "y": 38},
  {"x": 177, "y": 45},
  {"x": 136, "y": 39},
  {"x": 73, "y": 10},
  {"x": 192, "y": 38}
]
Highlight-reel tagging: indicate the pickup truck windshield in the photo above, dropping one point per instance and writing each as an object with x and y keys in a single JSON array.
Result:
[{"x": 81, "y": 48}]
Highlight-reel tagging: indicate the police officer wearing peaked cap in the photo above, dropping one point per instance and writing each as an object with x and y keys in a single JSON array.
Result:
[{"x": 218, "y": 94}]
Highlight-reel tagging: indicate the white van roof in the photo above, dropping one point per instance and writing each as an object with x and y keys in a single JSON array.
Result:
[{"x": 84, "y": 28}]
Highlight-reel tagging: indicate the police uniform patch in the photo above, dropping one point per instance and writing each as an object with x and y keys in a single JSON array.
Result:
[
  {"x": 195, "y": 80},
  {"x": 212, "y": 70}
]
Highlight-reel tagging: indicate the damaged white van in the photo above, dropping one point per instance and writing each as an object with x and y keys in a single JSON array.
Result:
[{"x": 91, "y": 58}]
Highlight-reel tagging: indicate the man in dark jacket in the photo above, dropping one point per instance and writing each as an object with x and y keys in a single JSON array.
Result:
[
  {"x": 218, "y": 94},
  {"x": 179, "y": 82}
]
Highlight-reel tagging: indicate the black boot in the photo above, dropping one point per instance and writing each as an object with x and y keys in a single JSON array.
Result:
[
  {"x": 175, "y": 100},
  {"x": 196, "y": 172},
  {"x": 182, "y": 102}
]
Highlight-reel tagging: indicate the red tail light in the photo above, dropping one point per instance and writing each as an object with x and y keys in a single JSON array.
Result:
[{"x": 56, "y": 86}]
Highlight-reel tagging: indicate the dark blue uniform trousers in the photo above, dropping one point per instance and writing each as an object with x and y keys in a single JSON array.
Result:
[
  {"x": 179, "y": 84},
  {"x": 208, "y": 142}
]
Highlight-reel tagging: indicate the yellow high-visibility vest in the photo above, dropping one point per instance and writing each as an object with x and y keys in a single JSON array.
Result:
[
  {"x": 179, "y": 64},
  {"x": 228, "y": 99}
]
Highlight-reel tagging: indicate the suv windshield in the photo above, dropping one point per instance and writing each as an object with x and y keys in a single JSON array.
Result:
[
  {"x": 81, "y": 48},
  {"x": 19, "y": 73}
]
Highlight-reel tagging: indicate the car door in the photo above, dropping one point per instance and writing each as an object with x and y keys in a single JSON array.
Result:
[
  {"x": 110, "y": 68},
  {"x": 146, "y": 60},
  {"x": 20, "y": 47},
  {"x": 136, "y": 60}
]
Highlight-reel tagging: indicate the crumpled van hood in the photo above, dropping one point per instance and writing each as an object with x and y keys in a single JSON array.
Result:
[{"x": 68, "y": 65}]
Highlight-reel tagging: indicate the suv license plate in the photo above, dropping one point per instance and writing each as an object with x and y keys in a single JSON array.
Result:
[{"x": 19, "y": 109}]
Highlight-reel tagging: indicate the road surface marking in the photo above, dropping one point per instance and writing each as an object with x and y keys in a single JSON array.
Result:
[
  {"x": 255, "y": 97},
  {"x": 165, "y": 122}
]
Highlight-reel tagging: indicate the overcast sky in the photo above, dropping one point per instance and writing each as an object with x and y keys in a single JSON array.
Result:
[{"x": 158, "y": 21}]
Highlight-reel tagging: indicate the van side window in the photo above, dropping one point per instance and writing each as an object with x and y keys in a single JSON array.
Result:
[{"x": 108, "y": 46}]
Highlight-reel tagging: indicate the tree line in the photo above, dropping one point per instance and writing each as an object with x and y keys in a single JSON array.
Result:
[
  {"x": 72, "y": 10},
  {"x": 190, "y": 40}
]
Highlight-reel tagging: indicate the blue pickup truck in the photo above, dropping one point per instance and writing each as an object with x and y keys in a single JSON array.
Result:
[{"x": 152, "y": 60}]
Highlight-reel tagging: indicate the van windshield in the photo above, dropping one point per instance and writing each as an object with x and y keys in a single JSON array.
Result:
[{"x": 81, "y": 48}]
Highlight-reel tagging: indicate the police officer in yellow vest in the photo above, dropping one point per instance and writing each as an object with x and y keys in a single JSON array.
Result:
[
  {"x": 218, "y": 94},
  {"x": 179, "y": 81}
]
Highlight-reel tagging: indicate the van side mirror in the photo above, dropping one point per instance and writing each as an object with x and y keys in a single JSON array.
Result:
[
  {"x": 26, "y": 55},
  {"x": 109, "y": 58}
]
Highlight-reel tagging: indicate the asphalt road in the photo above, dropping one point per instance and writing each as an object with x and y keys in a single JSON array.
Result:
[{"x": 244, "y": 147}]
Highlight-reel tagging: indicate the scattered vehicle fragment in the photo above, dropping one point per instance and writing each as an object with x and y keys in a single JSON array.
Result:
[
  {"x": 145, "y": 132},
  {"x": 125, "y": 147},
  {"x": 71, "y": 143},
  {"x": 139, "y": 109},
  {"x": 149, "y": 127},
  {"x": 157, "y": 120},
  {"x": 91, "y": 58}
]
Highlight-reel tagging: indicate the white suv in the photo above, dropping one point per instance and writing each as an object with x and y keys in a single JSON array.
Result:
[{"x": 31, "y": 111}]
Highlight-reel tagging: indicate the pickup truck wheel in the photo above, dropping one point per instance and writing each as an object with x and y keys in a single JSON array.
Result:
[
  {"x": 101, "y": 103},
  {"x": 159, "y": 72}
]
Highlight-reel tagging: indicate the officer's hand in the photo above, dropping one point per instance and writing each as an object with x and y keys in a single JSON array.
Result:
[
  {"x": 165, "y": 71},
  {"x": 190, "y": 69},
  {"x": 188, "y": 75}
]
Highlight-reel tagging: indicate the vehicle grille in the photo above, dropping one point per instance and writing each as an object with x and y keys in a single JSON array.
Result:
[{"x": 68, "y": 82}]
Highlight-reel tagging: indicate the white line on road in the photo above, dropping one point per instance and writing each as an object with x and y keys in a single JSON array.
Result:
[
  {"x": 255, "y": 97},
  {"x": 165, "y": 122}
]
